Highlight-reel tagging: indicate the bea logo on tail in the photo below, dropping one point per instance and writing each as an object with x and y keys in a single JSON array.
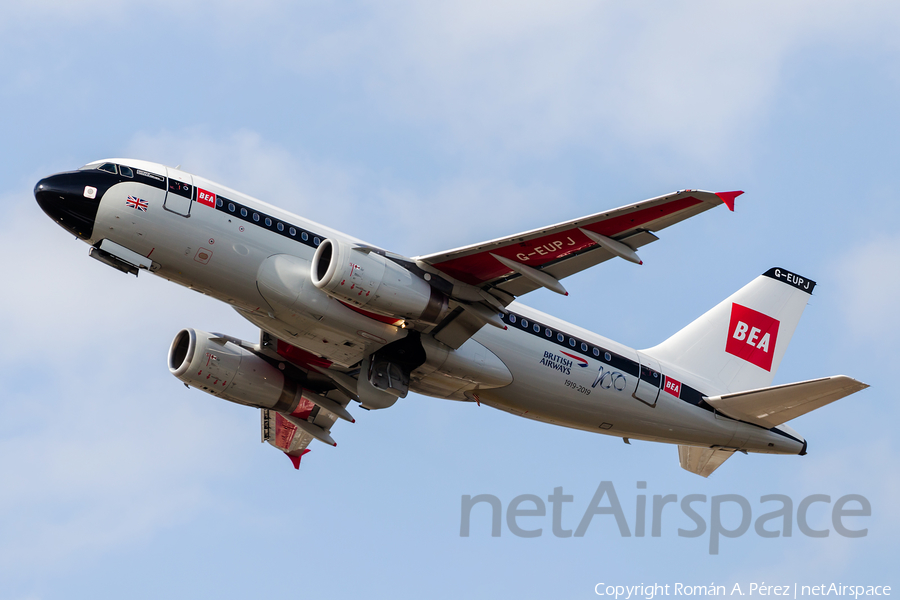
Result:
[{"x": 752, "y": 336}]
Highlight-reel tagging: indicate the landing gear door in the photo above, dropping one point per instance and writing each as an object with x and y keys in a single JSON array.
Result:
[
  {"x": 647, "y": 390},
  {"x": 179, "y": 192}
]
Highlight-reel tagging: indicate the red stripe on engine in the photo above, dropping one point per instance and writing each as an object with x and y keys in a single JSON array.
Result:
[
  {"x": 300, "y": 357},
  {"x": 371, "y": 315},
  {"x": 304, "y": 409}
]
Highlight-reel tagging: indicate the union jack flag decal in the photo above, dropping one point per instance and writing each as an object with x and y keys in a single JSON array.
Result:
[{"x": 137, "y": 203}]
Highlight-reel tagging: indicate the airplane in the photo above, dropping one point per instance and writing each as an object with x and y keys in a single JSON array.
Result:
[{"x": 345, "y": 321}]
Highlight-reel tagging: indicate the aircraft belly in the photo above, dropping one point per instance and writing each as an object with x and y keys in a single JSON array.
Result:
[
  {"x": 608, "y": 416},
  {"x": 312, "y": 319},
  {"x": 587, "y": 394},
  {"x": 460, "y": 374}
]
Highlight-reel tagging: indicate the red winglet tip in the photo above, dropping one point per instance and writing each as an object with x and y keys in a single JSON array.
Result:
[
  {"x": 640, "y": 262},
  {"x": 296, "y": 459},
  {"x": 353, "y": 420},
  {"x": 505, "y": 328},
  {"x": 335, "y": 444},
  {"x": 728, "y": 198},
  {"x": 567, "y": 293}
]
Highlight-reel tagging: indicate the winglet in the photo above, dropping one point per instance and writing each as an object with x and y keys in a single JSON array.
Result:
[
  {"x": 296, "y": 459},
  {"x": 728, "y": 198}
]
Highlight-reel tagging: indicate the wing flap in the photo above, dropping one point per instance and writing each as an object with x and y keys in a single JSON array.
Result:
[
  {"x": 702, "y": 461},
  {"x": 771, "y": 406},
  {"x": 518, "y": 286}
]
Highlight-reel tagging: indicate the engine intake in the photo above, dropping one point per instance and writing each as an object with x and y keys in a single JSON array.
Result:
[
  {"x": 369, "y": 280},
  {"x": 222, "y": 368}
]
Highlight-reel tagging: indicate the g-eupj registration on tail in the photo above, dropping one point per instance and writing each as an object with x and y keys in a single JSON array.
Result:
[{"x": 344, "y": 321}]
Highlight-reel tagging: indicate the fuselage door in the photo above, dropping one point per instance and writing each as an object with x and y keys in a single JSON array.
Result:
[
  {"x": 648, "y": 384},
  {"x": 179, "y": 192}
]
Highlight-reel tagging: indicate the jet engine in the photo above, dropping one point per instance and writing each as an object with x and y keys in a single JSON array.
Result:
[
  {"x": 366, "y": 279},
  {"x": 222, "y": 368}
]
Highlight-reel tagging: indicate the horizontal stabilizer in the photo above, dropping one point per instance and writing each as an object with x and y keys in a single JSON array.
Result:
[
  {"x": 771, "y": 406},
  {"x": 702, "y": 461}
]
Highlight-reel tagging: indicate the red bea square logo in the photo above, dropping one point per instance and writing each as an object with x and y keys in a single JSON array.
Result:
[
  {"x": 752, "y": 336},
  {"x": 207, "y": 198},
  {"x": 673, "y": 386}
]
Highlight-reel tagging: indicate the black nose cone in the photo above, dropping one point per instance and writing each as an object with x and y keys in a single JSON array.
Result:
[{"x": 70, "y": 200}]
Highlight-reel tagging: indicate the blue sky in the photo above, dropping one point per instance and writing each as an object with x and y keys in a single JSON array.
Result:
[{"x": 422, "y": 127}]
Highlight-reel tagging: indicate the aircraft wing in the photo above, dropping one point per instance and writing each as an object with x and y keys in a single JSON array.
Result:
[
  {"x": 281, "y": 433},
  {"x": 567, "y": 248},
  {"x": 515, "y": 265},
  {"x": 321, "y": 401}
]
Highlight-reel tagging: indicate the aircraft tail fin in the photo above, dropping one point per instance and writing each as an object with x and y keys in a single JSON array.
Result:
[{"x": 740, "y": 342}]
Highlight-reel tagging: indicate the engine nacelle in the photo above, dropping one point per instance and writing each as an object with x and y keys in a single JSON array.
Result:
[
  {"x": 368, "y": 280},
  {"x": 222, "y": 368}
]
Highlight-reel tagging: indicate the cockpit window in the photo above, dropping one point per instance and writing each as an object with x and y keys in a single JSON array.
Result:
[
  {"x": 109, "y": 168},
  {"x": 89, "y": 166},
  {"x": 126, "y": 171}
]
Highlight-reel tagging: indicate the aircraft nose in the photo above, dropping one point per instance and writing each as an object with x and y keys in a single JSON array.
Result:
[{"x": 70, "y": 200}]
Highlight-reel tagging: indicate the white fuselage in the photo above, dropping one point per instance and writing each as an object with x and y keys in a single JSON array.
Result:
[{"x": 560, "y": 373}]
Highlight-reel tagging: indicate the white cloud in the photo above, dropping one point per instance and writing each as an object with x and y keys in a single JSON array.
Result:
[
  {"x": 456, "y": 211},
  {"x": 243, "y": 160},
  {"x": 531, "y": 78},
  {"x": 869, "y": 289},
  {"x": 96, "y": 448}
]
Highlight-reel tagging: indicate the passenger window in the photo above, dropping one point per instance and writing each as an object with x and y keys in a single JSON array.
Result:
[
  {"x": 548, "y": 333},
  {"x": 268, "y": 222},
  {"x": 572, "y": 342},
  {"x": 126, "y": 171},
  {"x": 281, "y": 227},
  {"x": 525, "y": 323},
  {"x": 231, "y": 207},
  {"x": 243, "y": 212},
  {"x": 256, "y": 217},
  {"x": 293, "y": 231},
  {"x": 305, "y": 236},
  {"x": 537, "y": 328},
  {"x": 512, "y": 318},
  {"x": 109, "y": 168},
  {"x": 596, "y": 352},
  {"x": 316, "y": 241},
  {"x": 583, "y": 347},
  {"x": 560, "y": 337},
  {"x": 219, "y": 202}
]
